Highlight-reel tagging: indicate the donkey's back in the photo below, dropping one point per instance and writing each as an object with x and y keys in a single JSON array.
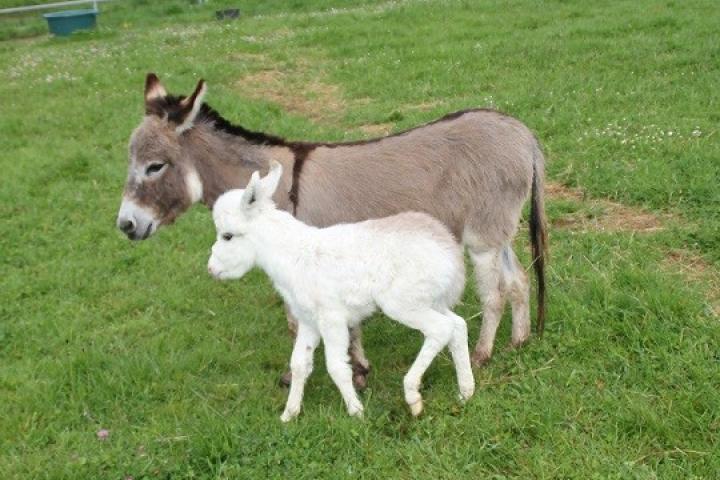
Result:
[{"x": 469, "y": 169}]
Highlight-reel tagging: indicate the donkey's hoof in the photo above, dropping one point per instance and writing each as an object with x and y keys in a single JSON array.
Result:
[
  {"x": 416, "y": 408},
  {"x": 519, "y": 342},
  {"x": 360, "y": 376},
  {"x": 480, "y": 359},
  {"x": 286, "y": 379},
  {"x": 360, "y": 381}
]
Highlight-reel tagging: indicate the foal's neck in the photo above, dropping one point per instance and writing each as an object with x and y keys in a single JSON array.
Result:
[{"x": 283, "y": 244}]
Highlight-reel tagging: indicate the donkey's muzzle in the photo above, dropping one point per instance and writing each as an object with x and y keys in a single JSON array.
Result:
[
  {"x": 135, "y": 221},
  {"x": 127, "y": 226}
]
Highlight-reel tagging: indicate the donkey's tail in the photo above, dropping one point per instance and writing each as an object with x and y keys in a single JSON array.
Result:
[{"x": 538, "y": 232}]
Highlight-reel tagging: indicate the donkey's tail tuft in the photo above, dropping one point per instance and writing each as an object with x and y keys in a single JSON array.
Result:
[{"x": 538, "y": 233}]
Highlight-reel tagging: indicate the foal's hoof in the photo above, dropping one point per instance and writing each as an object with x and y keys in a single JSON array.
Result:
[
  {"x": 286, "y": 379},
  {"x": 356, "y": 410},
  {"x": 466, "y": 392},
  {"x": 416, "y": 408},
  {"x": 480, "y": 359},
  {"x": 289, "y": 415}
]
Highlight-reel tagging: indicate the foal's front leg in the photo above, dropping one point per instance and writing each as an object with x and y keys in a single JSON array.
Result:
[
  {"x": 301, "y": 365},
  {"x": 336, "y": 339},
  {"x": 360, "y": 363}
]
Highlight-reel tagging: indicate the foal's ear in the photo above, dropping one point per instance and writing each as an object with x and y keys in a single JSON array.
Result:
[
  {"x": 190, "y": 107},
  {"x": 153, "y": 88},
  {"x": 271, "y": 180},
  {"x": 250, "y": 195}
]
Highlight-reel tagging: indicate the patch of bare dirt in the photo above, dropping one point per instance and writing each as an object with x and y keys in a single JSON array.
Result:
[
  {"x": 312, "y": 98},
  {"x": 249, "y": 57},
  {"x": 376, "y": 129},
  {"x": 606, "y": 215},
  {"x": 602, "y": 214},
  {"x": 424, "y": 106}
]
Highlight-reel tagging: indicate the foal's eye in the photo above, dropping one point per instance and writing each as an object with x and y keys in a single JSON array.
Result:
[
  {"x": 154, "y": 168},
  {"x": 227, "y": 236}
]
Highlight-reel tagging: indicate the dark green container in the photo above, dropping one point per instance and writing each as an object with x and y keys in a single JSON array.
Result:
[{"x": 65, "y": 23}]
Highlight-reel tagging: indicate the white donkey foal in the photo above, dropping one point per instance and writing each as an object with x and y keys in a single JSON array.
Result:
[{"x": 409, "y": 265}]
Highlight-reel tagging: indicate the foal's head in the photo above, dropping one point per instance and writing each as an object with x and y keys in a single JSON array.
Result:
[
  {"x": 235, "y": 214},
  {"x": 162, "y": 182}
]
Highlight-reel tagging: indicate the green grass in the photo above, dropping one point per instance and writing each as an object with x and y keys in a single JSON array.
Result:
[{"x": 96, "y": 332}]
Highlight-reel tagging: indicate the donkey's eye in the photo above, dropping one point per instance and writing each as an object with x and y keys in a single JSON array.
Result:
[
  {"x": 227, "y": 236},
  {"x": 154, "y": 168}
]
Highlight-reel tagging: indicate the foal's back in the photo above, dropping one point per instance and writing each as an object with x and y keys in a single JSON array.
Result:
[{"x": 411, "y": 254}]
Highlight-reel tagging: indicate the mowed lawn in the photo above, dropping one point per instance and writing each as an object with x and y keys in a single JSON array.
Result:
[{"x": 97, "y": 333}]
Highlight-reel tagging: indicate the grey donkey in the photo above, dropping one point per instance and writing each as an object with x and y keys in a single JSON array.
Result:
[{"x": 473, "y": 170}]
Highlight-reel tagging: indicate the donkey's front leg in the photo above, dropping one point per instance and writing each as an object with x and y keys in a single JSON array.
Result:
[
  {"x": 360, "y": 363},
  {"x": 336, "y": 339},
  {"x": 301, "y": 365}
]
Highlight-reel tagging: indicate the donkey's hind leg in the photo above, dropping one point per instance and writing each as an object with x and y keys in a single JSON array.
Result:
[
  {"x": 499, "y": 277},
  {"x": 517, "y": 288},
  {"x": 360, "y": 363},
  {"x": 488, "y": 275}
]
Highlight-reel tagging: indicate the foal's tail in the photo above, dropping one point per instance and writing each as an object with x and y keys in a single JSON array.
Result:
[{"x": 538, "y": 232}]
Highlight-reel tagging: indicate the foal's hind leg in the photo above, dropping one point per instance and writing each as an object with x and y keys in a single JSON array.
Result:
[
  {"x": 439, "y": 330},
  {"x": 461, "y": 356}
]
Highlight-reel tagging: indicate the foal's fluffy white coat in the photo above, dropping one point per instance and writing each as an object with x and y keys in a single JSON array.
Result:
[{"x": 408, "y": 265}]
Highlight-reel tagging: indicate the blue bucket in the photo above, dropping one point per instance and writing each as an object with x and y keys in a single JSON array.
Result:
[{"x": 65, "y": 23}]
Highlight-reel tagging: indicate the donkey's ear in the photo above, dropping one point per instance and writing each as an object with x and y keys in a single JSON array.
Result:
[
  {"x": 250, "y": 195},
  {"x": 153, "y": 88},
  {"x": 190, "y": 107},
  {"x": 271, "y": 180}
]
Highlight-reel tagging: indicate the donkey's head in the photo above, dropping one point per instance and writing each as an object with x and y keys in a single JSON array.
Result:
[{"x": 162, "y": 182}]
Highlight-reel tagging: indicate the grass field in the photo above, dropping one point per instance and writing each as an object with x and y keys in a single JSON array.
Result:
[{"x": 98, "y": 333}]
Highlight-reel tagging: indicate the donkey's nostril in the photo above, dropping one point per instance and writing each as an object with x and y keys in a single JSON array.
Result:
[{"x": 127, "y": 226}]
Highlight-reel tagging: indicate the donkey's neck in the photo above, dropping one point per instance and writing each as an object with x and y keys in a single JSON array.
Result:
[{"x": 225, "y": 161}]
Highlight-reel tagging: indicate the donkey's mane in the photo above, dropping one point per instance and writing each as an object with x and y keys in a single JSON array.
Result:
[
  {"x": 209, "y": 115},
  {"x": 170, "y": 105}
]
